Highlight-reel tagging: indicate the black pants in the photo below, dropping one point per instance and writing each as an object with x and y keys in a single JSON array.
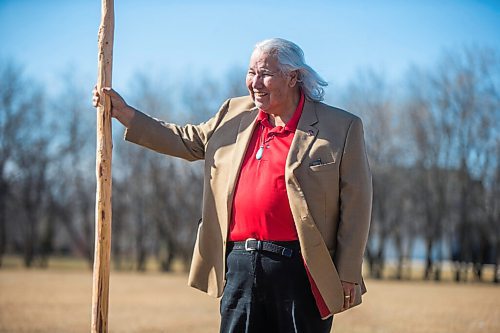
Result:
[{"x": 267, "y": 292}]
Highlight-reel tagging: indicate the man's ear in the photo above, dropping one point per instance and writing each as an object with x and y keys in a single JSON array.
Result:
[{"x": 294, "y": 77}]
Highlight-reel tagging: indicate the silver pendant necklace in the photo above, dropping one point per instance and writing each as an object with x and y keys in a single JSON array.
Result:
[
  {"x": 259, "y": 152},
  {"x": 263, "y": 142}
]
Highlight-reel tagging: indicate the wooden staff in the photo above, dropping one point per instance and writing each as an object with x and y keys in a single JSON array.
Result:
[{"x": 100, "y": 290}]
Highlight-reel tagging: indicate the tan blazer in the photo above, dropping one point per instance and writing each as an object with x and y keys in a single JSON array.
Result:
[{"x": 327, "y": 178}]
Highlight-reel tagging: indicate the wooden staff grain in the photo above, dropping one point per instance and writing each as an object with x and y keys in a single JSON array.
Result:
[{"x": 100, "y": 290}]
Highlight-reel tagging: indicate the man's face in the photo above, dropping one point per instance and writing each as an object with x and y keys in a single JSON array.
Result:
[{"x": 269, "y": 87}]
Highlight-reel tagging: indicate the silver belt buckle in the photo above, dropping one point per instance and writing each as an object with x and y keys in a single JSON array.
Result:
[{"x": 247, "y": 247}]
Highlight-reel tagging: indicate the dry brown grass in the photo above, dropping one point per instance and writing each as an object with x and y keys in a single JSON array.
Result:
[{"x": 58, "y": 300}]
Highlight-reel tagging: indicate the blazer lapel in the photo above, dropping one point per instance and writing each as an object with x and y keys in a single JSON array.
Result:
[
  {"x": 305, "y": 135},
  {"x": 245, "y": 131}
]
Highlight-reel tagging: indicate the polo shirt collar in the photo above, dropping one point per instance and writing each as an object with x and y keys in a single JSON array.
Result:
[{"x": 291, "y": 125}]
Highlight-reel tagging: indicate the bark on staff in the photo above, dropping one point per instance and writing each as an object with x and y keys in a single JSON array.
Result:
[{"x": 100, "y": 291}]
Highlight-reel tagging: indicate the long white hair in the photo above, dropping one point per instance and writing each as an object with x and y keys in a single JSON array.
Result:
[{"x": 290, "y": 58}]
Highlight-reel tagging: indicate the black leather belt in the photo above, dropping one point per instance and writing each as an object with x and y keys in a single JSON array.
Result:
[{"x": 286, "y": 249}]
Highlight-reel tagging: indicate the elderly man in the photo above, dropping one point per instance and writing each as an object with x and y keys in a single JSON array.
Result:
[{"x": 287, "y": 196}]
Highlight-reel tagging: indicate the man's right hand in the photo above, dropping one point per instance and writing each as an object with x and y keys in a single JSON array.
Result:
[{"x": 119, "y": 108}]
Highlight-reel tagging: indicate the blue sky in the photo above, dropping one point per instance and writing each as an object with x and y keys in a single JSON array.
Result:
[{"x": 181, "y": 39}]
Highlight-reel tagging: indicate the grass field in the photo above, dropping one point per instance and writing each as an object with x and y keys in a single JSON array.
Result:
[{"x": 58, "y": 300}]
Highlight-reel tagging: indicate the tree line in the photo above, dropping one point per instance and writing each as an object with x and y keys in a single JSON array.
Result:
[{"x": 433, "y": 140}]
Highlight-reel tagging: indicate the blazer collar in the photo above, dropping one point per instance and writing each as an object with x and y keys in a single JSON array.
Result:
[
  {"x": 304, "y": 136},
  {"x": 245, "y": 131}
]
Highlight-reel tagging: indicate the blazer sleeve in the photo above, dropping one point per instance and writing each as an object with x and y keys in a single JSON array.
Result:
[
  {"x": 355, "y": 205},
  {"x": 187, "y": 142}
]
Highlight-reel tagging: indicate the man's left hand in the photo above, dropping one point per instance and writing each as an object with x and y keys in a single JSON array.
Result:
[{"x": 349, "y": 294}]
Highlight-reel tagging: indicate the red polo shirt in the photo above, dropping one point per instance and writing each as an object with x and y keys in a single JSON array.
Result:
[{"x": 260, "y": 207}]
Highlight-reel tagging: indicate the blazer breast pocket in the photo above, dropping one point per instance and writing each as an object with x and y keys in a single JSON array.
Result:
[{"x": 322, "y": 167}]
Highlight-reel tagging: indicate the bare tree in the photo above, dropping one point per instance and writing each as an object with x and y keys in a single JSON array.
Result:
[
  {"x": 137, "y": 221},
  {"x": 160, "y": 197},
  {"x": 14, "y": 103},
  {"x": 492, "y": 205},
  {"x": 372, "y": 98},
  {"x": 31, "y": 180},
  {"x": 452, "y": 110},
  {"x": 202, "y": 97},
  {"x": 429, "y": 128},
  {"x": 72, "y": 176},
  {"x": 24, "y": 160},
  {"x": 468, "y": 91}
]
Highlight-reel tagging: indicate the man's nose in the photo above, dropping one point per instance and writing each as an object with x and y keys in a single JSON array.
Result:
[{"x": 257, "y": 81}]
